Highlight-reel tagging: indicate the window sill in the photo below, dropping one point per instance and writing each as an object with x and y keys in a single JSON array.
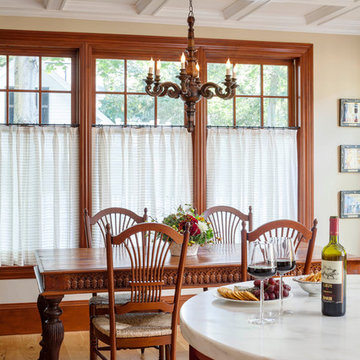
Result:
[{"x": 17, "y": 272}]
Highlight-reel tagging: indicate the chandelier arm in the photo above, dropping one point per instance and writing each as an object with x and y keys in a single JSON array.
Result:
[
  {"x": 161, "y": 89},
  {"x": 170, "y": 89},
  {"x": 210, "y": 89}
]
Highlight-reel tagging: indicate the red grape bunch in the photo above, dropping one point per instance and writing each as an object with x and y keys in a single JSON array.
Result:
[{"x": 271, "y": 289}]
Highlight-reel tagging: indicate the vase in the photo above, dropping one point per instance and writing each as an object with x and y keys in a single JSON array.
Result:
[{"x": 175, "y": 249}]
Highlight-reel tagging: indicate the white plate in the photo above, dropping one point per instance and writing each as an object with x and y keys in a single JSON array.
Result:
[{"x": 218, "y": 296}]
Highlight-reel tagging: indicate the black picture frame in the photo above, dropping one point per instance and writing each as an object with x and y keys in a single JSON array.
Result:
[
  {"x": 350, "y": 112},
  {"x": 350, "y": 158},
  {"x": 350, "y": 204}
]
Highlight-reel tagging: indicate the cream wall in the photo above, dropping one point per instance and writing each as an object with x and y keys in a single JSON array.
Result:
[{"x": 336, "y": 75}]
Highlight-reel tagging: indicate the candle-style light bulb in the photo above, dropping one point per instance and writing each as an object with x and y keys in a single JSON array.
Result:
[
  {"x": 183, "y": 60},
  {"x": 158, "y": 68},
  {"x": 151, "y": 66},
  {"x": 228, "y": 67},
  {"x": 197, "y": 69},
  {"x": 234, "y": 71}
]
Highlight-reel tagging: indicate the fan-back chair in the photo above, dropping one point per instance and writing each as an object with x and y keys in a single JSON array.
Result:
[
  {"x": 119, "y": 219},
  {"x": 279, "y": 228},
  {"x": 146, "y": 320},
  {"x": 225, "y": 221}
]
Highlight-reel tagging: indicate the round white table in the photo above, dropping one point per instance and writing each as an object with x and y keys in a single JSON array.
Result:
[{"x": 220, "y": 329}]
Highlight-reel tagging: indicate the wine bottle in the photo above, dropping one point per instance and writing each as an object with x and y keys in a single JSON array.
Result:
[{"x": 333, "y": 274}]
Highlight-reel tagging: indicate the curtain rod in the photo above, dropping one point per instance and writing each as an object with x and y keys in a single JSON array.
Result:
[
  {"x": 254, "y": 127},
  {"x": 41, "y": 125}
]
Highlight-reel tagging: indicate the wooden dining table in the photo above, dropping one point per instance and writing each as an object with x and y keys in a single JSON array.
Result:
[{"x": 77, "y": 271}]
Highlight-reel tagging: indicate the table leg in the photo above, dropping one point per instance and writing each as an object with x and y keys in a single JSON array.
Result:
[
  {"x": 52, "y": 327},
  {"x": 41, "y": 305}
]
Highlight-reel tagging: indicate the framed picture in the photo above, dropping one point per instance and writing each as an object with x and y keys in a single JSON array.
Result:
[
  {"x": 349, "y": 204},
  {"x": 350, "y": 158},
  {"x": 349, "y": 112}
]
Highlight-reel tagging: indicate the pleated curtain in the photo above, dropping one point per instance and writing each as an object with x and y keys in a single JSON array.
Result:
[
  {"x": 39, "y": 191},
  {"x": 253, "y": 167},
  {"x": 135, "y": 168}
]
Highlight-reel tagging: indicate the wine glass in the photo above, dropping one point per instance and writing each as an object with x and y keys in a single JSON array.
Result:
[
  {"x": 285, "y": 262},
  {"x": 261, "y": 265}
]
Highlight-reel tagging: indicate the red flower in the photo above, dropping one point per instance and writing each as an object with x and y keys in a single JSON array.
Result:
[{"x": 194, "y": 229}]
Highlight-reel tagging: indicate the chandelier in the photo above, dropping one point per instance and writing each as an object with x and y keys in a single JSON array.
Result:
[{"x": 190, "y": 89}]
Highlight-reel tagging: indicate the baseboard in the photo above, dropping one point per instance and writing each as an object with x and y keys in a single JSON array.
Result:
[{"x": 23, "y": 318}]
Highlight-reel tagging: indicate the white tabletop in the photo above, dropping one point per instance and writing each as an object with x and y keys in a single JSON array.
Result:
[{"x": 220, "y": 329}]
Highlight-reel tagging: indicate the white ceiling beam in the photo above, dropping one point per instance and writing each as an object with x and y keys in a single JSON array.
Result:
[
  {"x": 149, "y": 7},
  {"x": 54, "y": 4},
  {"x": 325, "y": 14},
  {"x": 317, "y": 2},
  {"x": 242, "y": 8}
]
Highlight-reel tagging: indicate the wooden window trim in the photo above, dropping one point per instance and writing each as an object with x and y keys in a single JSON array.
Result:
[{"x": 89, "y": 46}]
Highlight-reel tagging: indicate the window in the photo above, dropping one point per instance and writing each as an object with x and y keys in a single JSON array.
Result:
[
  {"x": 262, "y": 98},
  {"x": 29, "y": 83},
  {"x": 147, "y": 160},
  {"x": 39, "y": 164},
  {"x": 256, "y": 166},
  {"x": 121, "y": 98}
]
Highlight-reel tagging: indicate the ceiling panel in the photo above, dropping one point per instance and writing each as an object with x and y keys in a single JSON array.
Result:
[{"x": 281, "y": 15}]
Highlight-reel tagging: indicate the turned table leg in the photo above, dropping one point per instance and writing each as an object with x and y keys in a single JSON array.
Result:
[
  {"x": 52, "y": 327},
  {"x": 41, "y": 305}
]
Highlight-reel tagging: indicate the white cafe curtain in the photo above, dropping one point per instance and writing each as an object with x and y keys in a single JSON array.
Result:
[
  {"x": 253, "y": 167},
  {"x": 136, "y": 168},
  {"x": 39, "y": 192}
]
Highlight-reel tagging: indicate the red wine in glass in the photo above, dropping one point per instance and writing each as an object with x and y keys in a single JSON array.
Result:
[
  {"x": 285, "y": 265},
  {"x": 261, "y": 271}
]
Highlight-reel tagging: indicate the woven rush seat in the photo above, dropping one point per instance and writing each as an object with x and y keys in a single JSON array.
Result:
[
  {"x": 103, "y": 300},
  {"x": 133, "y": 325}
]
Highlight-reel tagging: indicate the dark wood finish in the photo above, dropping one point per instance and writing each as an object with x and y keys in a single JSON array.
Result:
[
  {"x": 84, "y": 111},
  {"x": 225, "y": 221},
  {"x": 199, "y": 144},
  {"x": 52, "y": 327},
  {"x": 17, "y": 272},
  {"x": 197, "y": 355},
  {"x": 280, "y": 228},
  {"x": 306, "y": 140},
  {"x": 147, "y": 250},
  {"x": 119, "y": 220}
]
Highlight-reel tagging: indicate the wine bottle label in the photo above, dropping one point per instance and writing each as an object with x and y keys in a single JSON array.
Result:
[{"x": 332, "y": 278}]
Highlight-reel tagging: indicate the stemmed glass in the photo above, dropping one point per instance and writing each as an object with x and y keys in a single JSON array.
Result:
[
  {"x": 285, "y": 262},
  {"x": 261, "y": 265}
]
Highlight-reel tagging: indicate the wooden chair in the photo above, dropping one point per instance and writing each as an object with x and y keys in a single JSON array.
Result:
[
  {"x": 145, "y": 320},
  {"x": 225, "y": 221},
  {"x": 279, "y": 228},
  {"x": 119, "y": 219}
]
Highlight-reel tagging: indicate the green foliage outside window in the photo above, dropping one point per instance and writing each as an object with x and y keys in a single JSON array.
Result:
[{"x": 248, "y": 107}]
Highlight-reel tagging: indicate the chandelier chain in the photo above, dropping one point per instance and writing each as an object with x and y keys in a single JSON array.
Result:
[
  {"x": 191, "y": 9},
  {"x": 190, "y": 90}
]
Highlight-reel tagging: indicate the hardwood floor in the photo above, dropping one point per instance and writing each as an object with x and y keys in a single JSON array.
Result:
[{"x": 74, "y": 347}]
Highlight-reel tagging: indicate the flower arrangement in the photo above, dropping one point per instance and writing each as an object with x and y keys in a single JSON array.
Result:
[{"x": 200, "y": 230}]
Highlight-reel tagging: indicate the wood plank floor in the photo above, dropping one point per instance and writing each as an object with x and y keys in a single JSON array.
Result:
[{"x": 74, "y": 347}]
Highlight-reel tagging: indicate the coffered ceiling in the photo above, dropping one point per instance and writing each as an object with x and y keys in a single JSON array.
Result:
[{"x": 320, "y": 16}]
